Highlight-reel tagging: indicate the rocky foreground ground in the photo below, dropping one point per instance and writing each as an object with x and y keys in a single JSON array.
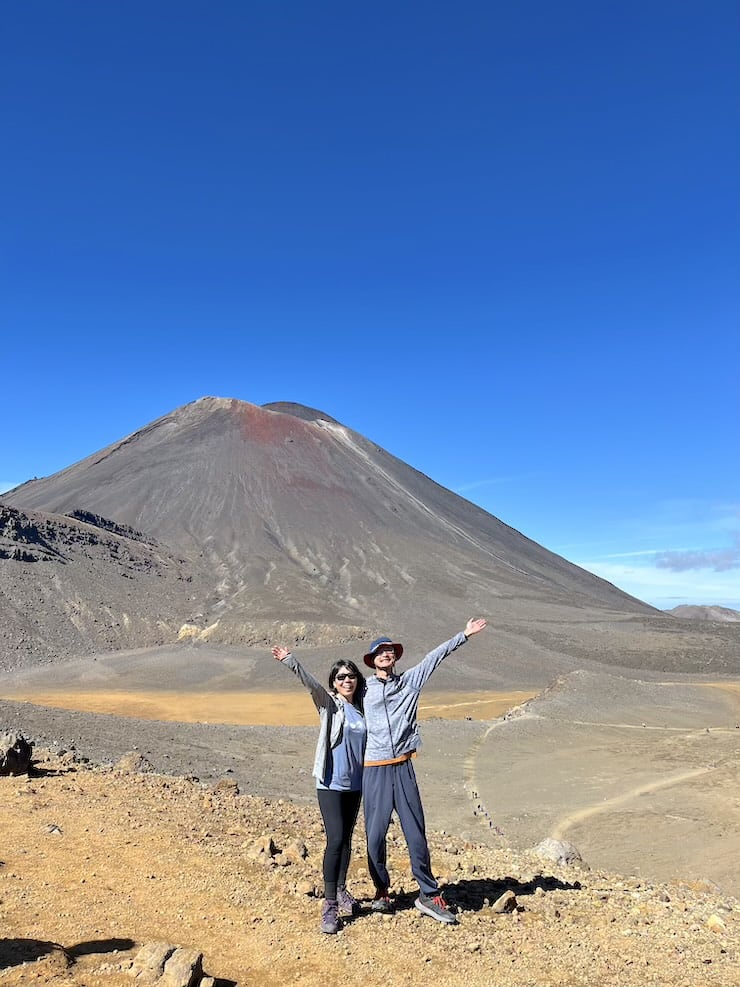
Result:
[{"x": 98, "y": 862}]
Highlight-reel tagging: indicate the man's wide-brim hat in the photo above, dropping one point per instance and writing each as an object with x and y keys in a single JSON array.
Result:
[{"x": 378, "y": 643}]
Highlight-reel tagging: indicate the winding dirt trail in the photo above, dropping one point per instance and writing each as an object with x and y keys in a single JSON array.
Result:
[{"x": 608, "y": 805}]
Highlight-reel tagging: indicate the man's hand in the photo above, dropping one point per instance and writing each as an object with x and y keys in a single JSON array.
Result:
[
  {"x": 474, "y": 625},
  {"x": 280, "y": 653}
]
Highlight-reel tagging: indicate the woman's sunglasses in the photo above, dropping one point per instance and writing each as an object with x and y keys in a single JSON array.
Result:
[{"x": 344, "y": 675}]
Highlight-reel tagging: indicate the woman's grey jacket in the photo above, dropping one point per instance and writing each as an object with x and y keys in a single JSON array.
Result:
[{"x": 331, "y": 715}]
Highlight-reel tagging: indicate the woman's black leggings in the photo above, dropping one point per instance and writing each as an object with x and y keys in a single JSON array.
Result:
[{"x": 339, "y": 812}]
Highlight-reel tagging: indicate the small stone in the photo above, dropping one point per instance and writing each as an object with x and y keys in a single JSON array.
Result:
[
  {"x": 296, "y": 851},
  {"x": 134, "y": 763},
  {"x": 226, "y": 786},
  {"x": 183, "y": 969},
  {"x": 149, "y": 962},
  {"x": 560, "y": 851},
  {"x": 262, "y": 847},
  {"x": 505, "y": 903}
]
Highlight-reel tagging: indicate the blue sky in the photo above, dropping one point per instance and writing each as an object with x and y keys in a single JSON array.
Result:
[{"x": 501, "y": 240}]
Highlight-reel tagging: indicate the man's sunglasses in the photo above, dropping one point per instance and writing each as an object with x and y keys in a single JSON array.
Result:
[{"x": 344, "y": 675}]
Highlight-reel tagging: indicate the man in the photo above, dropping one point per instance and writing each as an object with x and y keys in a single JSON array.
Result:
[{"x": 389, "y": 781}]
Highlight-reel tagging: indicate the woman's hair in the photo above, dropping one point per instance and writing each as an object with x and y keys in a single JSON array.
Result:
[{"x": 357, "y": 699}]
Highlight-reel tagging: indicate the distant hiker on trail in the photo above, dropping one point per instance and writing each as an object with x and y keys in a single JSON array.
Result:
[
  {"x": 389, "y": 781},
  {"x": 338, "y": 773}
]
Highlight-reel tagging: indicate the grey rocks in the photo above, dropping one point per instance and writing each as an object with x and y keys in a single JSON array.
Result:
[
  {"x": 15, "y": 754},
  {"x": 162, "y": 964},
  {"x": 559, "y": 851}
]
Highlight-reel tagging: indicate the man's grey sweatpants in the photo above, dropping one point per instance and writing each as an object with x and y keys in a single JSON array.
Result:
[{"x": 386, "y": 787}]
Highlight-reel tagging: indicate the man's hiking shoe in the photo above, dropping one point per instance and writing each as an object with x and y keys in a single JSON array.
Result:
[
  {"x": 435, "y": 907},
  {"x": 348, "y": 906},
  {"x": 382, "y": 905},
  {"x": 330, "y": 916}
]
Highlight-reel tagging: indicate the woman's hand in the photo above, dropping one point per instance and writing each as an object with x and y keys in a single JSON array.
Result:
[
  {"x": 474, "y": 625},
  {"x": 280, "y": 653}
]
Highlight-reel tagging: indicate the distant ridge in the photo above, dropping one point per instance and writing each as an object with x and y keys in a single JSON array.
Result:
[
  {"x": 77, "y": 586},
  {"x": 286, "y": 517},
  {"x": 720, "y": 614}
]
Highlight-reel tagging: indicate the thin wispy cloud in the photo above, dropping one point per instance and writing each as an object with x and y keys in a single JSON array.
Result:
[
  {"x": 631, "y": 555},
  {"x": 718, "y": 560},
  {"x": 688, "y": 562},
  {"x": 677, "y": 534},
  {"x": 490, "y": 482},
  {"x": 664, "y": 587},
  {"x": 681, "y": 559}
]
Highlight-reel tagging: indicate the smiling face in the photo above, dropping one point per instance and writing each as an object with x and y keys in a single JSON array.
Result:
[
  {"x": 345, "y": 683},
  {"x": 384, "y": 660}
]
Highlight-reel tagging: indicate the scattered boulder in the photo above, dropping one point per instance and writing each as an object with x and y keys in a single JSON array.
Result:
[
  {"x": 506, "y": 903},
  {"x": 163, "y": 964},
  {"x": 264, "y": 847},
  {"x": 296, "y": 851},
  {"x": 226, "y": 786},
  {"x": 715, "y": 923},
  {"x": 134, "y": 763},
  {"x": 15, "y": 754},
  {"x": 148, "y": 965},
  {"x": 559, "y": 851},
  {"x": 184, "y": 968}
]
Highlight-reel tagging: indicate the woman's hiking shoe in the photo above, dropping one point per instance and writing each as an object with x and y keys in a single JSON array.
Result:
[
  {"x": 330, "y": 916},
  {"x": 348, "y": 906},
  {"x": 435, "y": 907},
  {"x": 382, "y": 905}
]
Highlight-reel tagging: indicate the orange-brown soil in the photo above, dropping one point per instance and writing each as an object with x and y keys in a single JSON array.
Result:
[
  {"x": 249, "y": 708},
  {"x": 98, "y": 862}
]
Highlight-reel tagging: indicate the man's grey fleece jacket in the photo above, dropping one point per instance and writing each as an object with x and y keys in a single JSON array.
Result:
[{"x": 391, "y": 706}]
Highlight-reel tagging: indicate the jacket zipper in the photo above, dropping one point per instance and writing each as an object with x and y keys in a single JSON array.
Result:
[{"x": 388, "y": 720}]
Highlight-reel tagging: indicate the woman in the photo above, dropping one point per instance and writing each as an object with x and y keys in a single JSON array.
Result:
[{"x": 337, "y": 769}]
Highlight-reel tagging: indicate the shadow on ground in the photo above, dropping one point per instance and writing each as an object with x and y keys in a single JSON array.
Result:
[
  {"x": 15, "y": 952},
  {"x": 475, "y": 895}
]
